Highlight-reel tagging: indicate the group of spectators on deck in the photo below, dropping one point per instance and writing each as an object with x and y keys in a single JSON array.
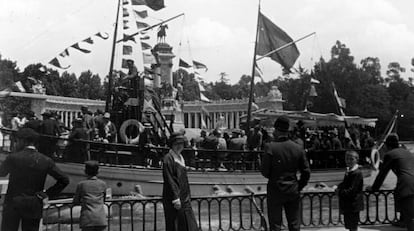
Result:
[{"x": 87, "y": 126}]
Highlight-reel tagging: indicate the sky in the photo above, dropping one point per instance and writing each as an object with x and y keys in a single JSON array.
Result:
[{"x": 218, "y": 33}]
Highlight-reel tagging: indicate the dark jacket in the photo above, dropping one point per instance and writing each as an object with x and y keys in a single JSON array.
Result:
[
  {"x": 281, "y": 162},
  {"x": 50, "y": 127},
  {"x": 28, "y": 170},
  {"x": 401, "y": 162},
  {"x": 351, "y": 197}
]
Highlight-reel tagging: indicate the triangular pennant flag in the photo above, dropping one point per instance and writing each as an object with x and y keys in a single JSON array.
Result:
[
  {"x": 200, "y": 87},
  {"x": 88, "y": 40},
  {"x": 138, "y": 2},
  {"x": 76, "y": 46},
  {"x": 146, "y": 37},
  {"x": 128, "y": 37},
  {"x": 55, "y": 62},
  {"x": 312, "y": 91},
  {"x": 148, "y": 106},
  {"x": 125, "y": 12},
  {"x": 204, "y": 98},
  {"x": 203, "y": 123},
  {"x": 271, "y": 37},
  {"x": 184, "y": 64},
  {"x": 255, "y": 107},
  {"x": 153, "y": 4},
  {"x": 102, "y": 35},
  {"x": 142, "y": 25},
  {"x": 125, "y": 2},
  {"x": 19, "y": 86},
  {"x": 148, "y": 58},
  {"x": 199, "y": 65},
  {"x": 258, "y": 73},
  {"x": 339, "y": 100},
  {"x": 64, "y": 53},
  {"x": 145, "y": 46},
  {"x": 127, "y": 50},
  {"x": 125, "y": 24},
  {"x": 124, "y": 63},
  {"x": 141, "y": 14}
]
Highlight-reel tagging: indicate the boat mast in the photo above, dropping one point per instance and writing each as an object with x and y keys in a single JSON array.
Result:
[
  {"x": 108, "y": 104},
  {"x": 249, "y": 106}
]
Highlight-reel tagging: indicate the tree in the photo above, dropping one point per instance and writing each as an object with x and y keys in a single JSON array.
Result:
[
  {"x": 84, "y": 84},
  {"x": 96, "y": 90},
  {"x": 69, "y": 85},
  {"x": 8, "y": 73},
  {"x": 223, "y": 76},
  {"x": 372, "y": 67}
]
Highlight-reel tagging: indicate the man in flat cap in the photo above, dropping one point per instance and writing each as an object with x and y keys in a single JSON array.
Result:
[
  {"x": 280, "y": 163},
  {"x": 401, "y": 162},
  {"x": 27, "y": 170}
]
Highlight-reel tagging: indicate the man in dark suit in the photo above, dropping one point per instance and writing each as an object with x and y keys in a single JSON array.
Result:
[
  {"x": 280, "y": 163},
  {"x": 27, "y": 170},
  {"x": 50, "y": 127},
  {"x": 401, "y": 162}
]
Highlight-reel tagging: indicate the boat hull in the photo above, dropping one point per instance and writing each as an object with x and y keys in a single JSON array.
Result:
[{"x": 124, "y": 179}]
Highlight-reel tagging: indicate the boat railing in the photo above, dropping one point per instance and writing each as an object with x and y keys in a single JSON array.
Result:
[
  {"x": 225, "y": 212},
  {"x": 150, "y": 156}
]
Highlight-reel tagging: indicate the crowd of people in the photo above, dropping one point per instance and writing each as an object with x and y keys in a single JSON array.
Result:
[{"x": 87, "y": 126}]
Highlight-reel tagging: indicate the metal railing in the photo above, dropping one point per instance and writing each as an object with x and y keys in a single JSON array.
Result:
[
  {"x": 199, "y": 159},
  {"x": 228, "y": 212}
]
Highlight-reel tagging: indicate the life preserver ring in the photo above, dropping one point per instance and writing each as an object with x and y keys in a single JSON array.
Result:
[
  {"x": 375, "y": 158},
  {"x": 122, "y": 131}
]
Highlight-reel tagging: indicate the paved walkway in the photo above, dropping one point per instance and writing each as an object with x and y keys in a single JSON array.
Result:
[{"x": 361, "y": 228}]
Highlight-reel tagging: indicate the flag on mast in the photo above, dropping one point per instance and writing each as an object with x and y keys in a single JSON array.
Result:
[
  {"x": 270, "y": 38},
  {"x": 340, "y": 101}
]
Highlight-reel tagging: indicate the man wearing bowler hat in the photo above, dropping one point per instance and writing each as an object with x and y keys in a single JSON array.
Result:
[
  {"x": 401, "y": 162},
  {"x": 27, "y": 170},
  {"x": 281, "y": 161}
]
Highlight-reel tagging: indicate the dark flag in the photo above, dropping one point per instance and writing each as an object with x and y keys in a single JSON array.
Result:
[
  {"x": 125, "y": 12},
  {"x": 64, "y": 53},
  {"x": 153, "y": 4},
  {"x": 125, "y": 2},
  {"x": 76, "y": 46},
  {"x": 125, "y": 24},
  {"x": 145, "y": 46},
  {"x": 271, "y": 37},
  {"x": 126, "y": 50},
  {"x": 184, "y": 64},
  {"x": 55, "y": 62},
  {"x": 146, "y": 37},
  {"x": 128, "y": 37},
  {"x": 102, "y": 36},
  {"x": 199, "y": 65},
  {"x": 88, "y": 40},
  {"x": 141, "y": 14},
  {"x": 124, "y": 63},
  {"x": 142, "y": 25}
]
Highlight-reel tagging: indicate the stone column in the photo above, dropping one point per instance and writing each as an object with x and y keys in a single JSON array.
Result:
[{"x": 197, "y": 120}]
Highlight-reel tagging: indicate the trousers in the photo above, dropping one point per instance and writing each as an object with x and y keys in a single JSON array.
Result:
[
  {"x": 276, "y": 204},
  {"x": 11, "y": 220},
  {"x": 407, "y": 209}
]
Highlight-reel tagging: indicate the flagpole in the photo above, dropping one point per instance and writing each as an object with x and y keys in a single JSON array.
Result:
[
  {"x": 249, "y": 106},
  {"x": 286, "y": 45},
  {"x": 150, "y": 27},
  {"x": 108, "y": 104}
]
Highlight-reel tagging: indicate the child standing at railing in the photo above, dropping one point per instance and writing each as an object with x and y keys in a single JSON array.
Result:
[
  {"x": 90, "y": 195},
  {"x": 350, "y": 193}
]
